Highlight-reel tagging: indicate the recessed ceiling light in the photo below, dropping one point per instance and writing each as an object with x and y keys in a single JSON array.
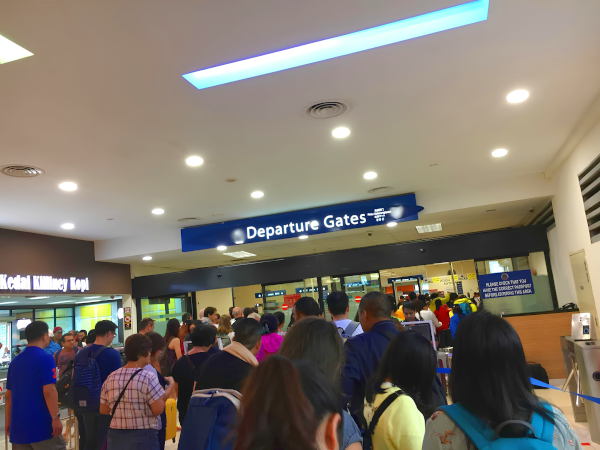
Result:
[
  {"x": 147, "y": 258},
  {"x": 38, "y": 298},
  {"x": 303, "y": 236},
  {"x": 257, "y": 194},
  {"x": 370, "y": 175},
  {"x": 90, "y": 301},
  {"x": 68, "y": 226},
  {"x": 62, "y": 301},
  {"x": 341, "y": 45},
  {"x": 392, "y": 224},
  {"x": 9, "y": 303},
  {"x": 221, "y": 248},
  {"x": 194, "y": 161},
  {"x": 9, "y": 51},
  {"x": 92, "y": 297},
  {"x": 158, "y": 211},
  {"x": 517, "y": 96},
  {"x": 341, "y": 132},
  {"x": 499, "y": 152},
  {"x": 429, "y": 228},
  {"x": 68, "y": 186},
  {"x": 240, "y": 254}
]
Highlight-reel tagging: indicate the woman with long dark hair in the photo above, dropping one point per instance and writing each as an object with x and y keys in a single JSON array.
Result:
[
  {"x": 489, "y": 385},
  {"x": 173, "y": 352},
  {"x": 405, "y": 376},
  {"x": 271, "y": 341},
  {"x": 318, "y": 343},
  {"x": 288, "y": 406}
]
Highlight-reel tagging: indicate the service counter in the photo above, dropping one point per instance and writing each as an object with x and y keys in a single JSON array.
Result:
[{"x": 540, "y": 335}]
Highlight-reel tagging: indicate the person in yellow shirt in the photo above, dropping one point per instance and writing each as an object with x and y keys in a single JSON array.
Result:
[{"x": 401, "y": 396}]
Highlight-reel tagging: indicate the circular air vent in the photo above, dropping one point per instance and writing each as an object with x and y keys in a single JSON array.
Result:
[
  {"x": 326, "y": 110},
  {"x": 379, "y": 190},
  {"x": 21, "y": 171}
]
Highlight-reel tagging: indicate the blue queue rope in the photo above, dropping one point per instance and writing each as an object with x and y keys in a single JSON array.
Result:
[{"x": 536, "y": 382}]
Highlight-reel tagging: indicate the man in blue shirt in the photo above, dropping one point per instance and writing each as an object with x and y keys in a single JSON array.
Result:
[
  {"x": 31, "y": 416},
  {"x": 54, "y": 344},
  {"x": 91, "y": 422}
]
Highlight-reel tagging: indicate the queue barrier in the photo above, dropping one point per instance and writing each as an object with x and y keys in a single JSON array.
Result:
[{"x": 538, "y": 383}]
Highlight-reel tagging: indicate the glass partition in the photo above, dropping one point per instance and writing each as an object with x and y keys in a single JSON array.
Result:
[
  {"x": 86, "y": 316},
  {"x": 162, "y": 309}
]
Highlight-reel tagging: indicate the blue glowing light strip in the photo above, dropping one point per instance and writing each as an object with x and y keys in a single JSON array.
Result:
[{"x": 391, "y": 33}]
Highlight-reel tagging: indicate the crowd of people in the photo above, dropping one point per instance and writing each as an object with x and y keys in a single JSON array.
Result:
[{"x": 327, "y": 382}]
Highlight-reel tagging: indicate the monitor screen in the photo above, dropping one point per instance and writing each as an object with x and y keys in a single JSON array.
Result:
[{"x": 424, "y": 328}]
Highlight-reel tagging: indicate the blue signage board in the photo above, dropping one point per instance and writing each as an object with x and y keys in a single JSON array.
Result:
[
  {"x": 270, "y": 294},
  {"x": 506, "y": 284},
  {"x": 344, "y": 216}
]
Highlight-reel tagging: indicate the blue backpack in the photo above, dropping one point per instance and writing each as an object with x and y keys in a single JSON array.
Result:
[
  {"x": 484, "y": 438},
  {"x": 210, "y": 419},
  {"x": 87, "y": 380}
]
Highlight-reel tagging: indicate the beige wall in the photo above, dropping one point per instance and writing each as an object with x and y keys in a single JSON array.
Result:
[
  {"x": 221, "y": 299},
  {"x": 243, "y": 296},
  {"x": 571, "y": 233}
]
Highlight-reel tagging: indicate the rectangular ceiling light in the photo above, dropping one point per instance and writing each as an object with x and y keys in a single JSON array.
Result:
[
  {"x": 391, "y": 33},
  {"x": 37, "y": 298},
  {"x": 62, "y": 301},
  {"x": 9, "y": 51},
  {"x": 240, "y": 254},
  {"x": 7, "y": 303},
  {"x": 429, "y": 228}
]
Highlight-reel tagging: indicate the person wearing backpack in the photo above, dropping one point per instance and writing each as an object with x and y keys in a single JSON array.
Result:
[
  {"x": 339, "y": 307},
  {"x": 93, "y": 365},
  {"x": 186, "y": 370},
  {"x": 400, "y": 396},
  {"x": 494, "y": 404}
]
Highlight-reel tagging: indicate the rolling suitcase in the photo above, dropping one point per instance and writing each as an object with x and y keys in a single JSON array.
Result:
[{"x": 171, "y": 412}]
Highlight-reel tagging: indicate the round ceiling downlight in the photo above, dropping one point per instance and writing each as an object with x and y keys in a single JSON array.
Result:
[
  {"x": 21, "y": 171},
  {"x": 499, "y": 152},
  {"x": 517, "y": 96}
]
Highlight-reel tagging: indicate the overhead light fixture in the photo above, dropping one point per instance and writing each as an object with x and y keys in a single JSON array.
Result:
[
  {"x": 429, "y": 228},
  {"x": 499, "y": 152},
  {"x": 158, "y": 211},
  {"x": 257, "y": 194},
  {"x": 392, "y": 224},
  {"x": 38, "y": 298},
  {"x": 517, "y": 96},
  {"x": 341, "y": 132},
  {"x": 91, "y": 298},
  {"x": 194, "y": 161},
  {"x": 370, "y": 175},
  {"x": 147, "y": 258},
  {"x": 9, "y": 51},
  {"x": 303, "y": 237},
  {"x": 62, "y": 301},
  {"x": 9, "y": 303},
  {"x": 68, "y": 226},
  {"x": 346, "y": 44},
  {"x": 90, "y": 301},
  {"x": 221, "y": 248},
  {"x": 68, "y": 186},
  {"x": 240, "y": 254}
]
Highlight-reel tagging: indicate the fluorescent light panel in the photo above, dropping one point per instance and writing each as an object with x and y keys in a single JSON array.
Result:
[
  {"x": 90, "y": 301},
  {"x": 62, "y": 301},
  {"x": 9, "y": 51},
  {"x": 37, "y": 298},
  {"x": 7, "y": 303},
  {"x": 240, "y": 254},
  {"x": 429, "y": 228},
  {"x": 391, "y": 33}
]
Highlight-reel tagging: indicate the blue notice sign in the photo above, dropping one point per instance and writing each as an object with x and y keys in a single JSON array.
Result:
[
  {"x": 344, "y": 216},
  {"x": 506, "y": 284}
]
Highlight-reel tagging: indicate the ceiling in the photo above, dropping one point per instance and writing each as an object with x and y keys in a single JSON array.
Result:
[
  {"x": 102, "y": 103},
  {"x": 53, "y": 301}
]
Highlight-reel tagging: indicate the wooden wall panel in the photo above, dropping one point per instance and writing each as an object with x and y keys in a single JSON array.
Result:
[{"x": 540, "y": 335}]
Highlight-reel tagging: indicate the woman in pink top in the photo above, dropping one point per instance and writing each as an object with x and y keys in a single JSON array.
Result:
[{"x": 271, "y": 340}]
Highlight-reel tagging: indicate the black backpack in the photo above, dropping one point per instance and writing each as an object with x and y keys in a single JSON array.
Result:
[{"x": 63, "y": 385}]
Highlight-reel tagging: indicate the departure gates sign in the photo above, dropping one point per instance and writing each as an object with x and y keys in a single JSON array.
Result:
[{"x": 345, "y": 216}]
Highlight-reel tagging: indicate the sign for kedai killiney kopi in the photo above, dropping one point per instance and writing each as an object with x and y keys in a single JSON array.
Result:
[{"x": 325, "y": 219}]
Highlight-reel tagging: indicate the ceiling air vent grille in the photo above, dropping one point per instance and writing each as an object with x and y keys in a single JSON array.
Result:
[
  {"x": 326, "y": 110},
  {"x": 545, "y": 217},
  {"x": 19, "y": 171},
  {"x": 589, "y": 182}
]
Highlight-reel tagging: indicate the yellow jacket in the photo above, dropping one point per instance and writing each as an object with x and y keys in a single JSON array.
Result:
[{"x": 401, "y": 426}]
